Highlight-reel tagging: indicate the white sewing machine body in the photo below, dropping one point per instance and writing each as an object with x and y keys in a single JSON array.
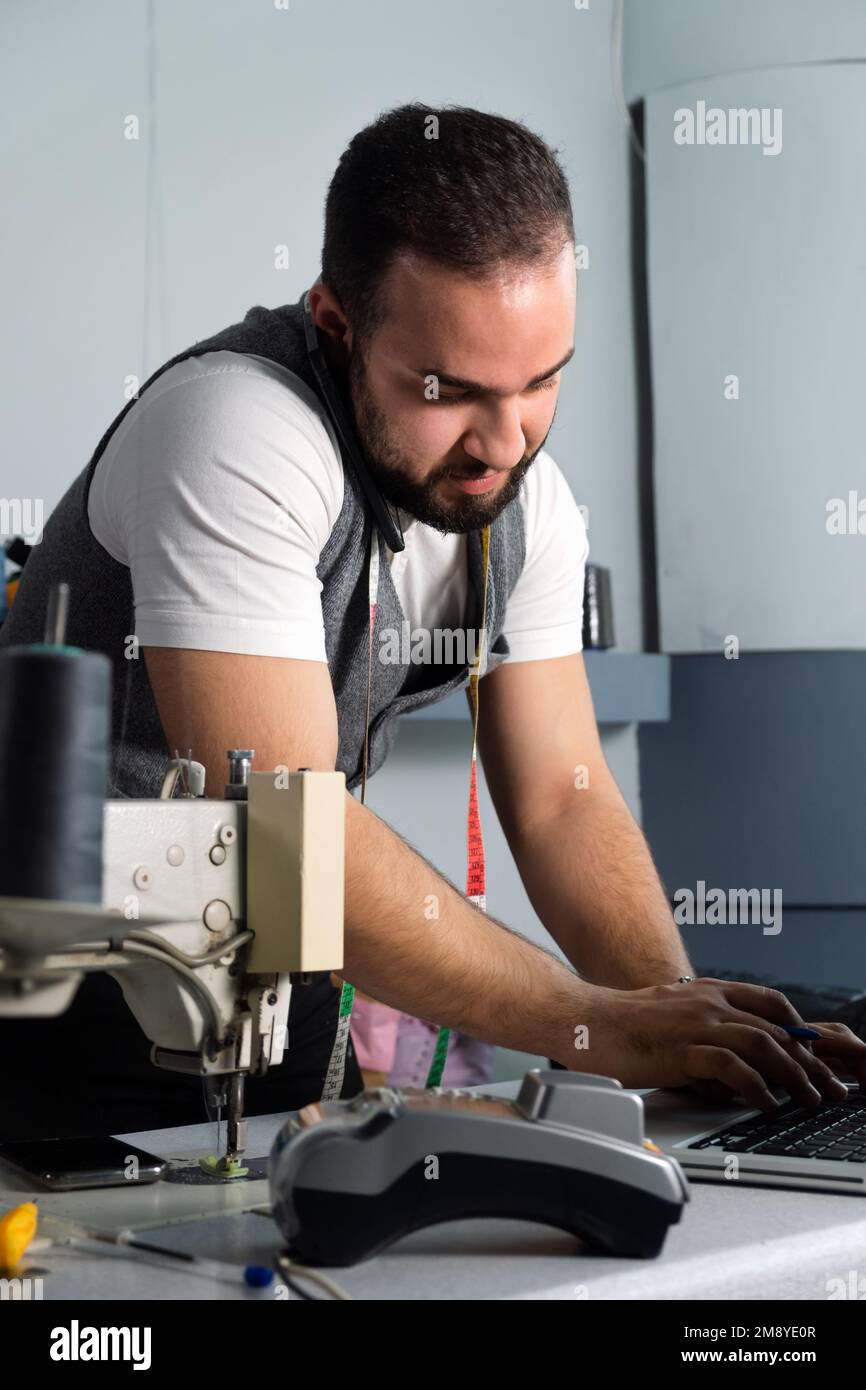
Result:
[{"x": 209, "y": 907}]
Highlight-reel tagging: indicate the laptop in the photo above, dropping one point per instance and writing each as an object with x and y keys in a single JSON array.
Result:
[{"x": 816, "y": 1149}]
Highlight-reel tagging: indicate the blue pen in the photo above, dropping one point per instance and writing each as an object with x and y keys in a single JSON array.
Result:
[{"x": 797, "y": 1032}]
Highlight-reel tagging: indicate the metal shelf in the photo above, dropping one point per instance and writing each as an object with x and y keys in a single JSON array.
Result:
[{"x": 627, "y": 688}]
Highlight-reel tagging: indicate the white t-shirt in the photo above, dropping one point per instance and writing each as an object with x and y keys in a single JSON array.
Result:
[{"x": 220, "y": 488}]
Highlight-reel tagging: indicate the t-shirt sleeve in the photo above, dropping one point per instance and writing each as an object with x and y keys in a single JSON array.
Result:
[
  {"x": 544, "y": 614},
  {"x": 219, "y": 491}
]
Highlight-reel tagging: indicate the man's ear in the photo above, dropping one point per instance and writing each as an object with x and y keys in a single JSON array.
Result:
[{"x": 330, "y": 319}]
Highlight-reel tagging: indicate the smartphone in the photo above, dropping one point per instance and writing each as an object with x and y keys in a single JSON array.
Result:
[{"x": 62, "y": 1164}]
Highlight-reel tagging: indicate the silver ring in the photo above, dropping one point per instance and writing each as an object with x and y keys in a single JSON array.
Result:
[{"x": 685, "y": 979}]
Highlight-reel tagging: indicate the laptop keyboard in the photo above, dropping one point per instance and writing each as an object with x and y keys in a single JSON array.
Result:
[{"x": 835, "y": 1131}]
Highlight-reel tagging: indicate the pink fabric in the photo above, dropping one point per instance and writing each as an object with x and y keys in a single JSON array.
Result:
[
  {"x": 402, "y": 1046},
  {"x": 374, "y": 1034},
  {"x": 469, "y": 1062}
]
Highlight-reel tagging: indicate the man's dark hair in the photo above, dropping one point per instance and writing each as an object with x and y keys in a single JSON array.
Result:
[{"x": 485, "y": 192}]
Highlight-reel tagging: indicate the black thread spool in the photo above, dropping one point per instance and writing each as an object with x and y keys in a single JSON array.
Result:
[
  {"x": 597, "y": 609},
  {"x": 55, "y": 723}
]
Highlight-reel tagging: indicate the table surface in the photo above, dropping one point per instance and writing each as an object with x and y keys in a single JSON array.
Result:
[{"x": 733, "y": 1242}]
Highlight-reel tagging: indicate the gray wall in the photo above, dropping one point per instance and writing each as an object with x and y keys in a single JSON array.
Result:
[
  {"x": 756, "y": 268},
  {"x": 757, "y": 783},
  {"x": 667, "y": 42}
]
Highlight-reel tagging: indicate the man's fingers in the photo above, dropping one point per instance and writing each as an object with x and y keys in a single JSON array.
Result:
[
  {"x": 717, "y": 1063},
  {"x": 841, "y": 1050},
  {"x": 774, "y": 1062},
  {"x": 844, "y": 1066},
  {"x": 840, "y": 1035},
  {"x": 816, "y": 1068}
]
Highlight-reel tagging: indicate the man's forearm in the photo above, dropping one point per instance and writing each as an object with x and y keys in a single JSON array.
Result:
[
  {"x": 413, "y": 941},
  {"x": 590, "y": 877}
]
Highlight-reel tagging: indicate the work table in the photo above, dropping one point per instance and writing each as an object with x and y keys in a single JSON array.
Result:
[{"x": 738, "y": 1244}]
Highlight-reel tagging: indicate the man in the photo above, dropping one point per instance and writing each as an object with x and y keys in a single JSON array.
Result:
[{"x": 218, "y": 522}]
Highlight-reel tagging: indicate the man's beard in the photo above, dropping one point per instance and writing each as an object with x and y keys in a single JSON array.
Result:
[{"x": 390, "y": 470}]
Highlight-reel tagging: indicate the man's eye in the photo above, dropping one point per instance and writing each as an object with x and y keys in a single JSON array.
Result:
[{"x": 547, "y": 385}]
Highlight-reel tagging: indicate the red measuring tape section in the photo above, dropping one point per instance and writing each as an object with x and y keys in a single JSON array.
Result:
[{"x": 475, "y": 868}]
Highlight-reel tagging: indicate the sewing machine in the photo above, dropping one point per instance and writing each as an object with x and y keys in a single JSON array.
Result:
[{"x": 210, "y": 910}]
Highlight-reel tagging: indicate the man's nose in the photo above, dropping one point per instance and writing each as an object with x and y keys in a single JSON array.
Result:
[{"x": 496, "y": 438}]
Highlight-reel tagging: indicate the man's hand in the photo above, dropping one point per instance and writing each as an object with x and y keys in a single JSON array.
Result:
[{"x": 717, "y": 1032}]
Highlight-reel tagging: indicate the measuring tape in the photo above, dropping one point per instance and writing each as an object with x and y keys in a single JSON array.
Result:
[{"x": 475, "y": 874}]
